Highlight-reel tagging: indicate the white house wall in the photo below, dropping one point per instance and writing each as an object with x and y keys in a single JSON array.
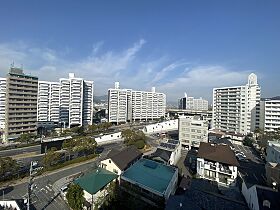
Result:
[
  {"x": 170, "y": 125},
  {"x": 110, "y": 166},
  {"x": 110, "y": 138},
  {"x": 250, "y": 196}
]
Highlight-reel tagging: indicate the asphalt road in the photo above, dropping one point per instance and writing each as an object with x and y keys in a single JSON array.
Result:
[
  {"x": 44, "y": 196},
  {"x": 19, "y": 151}
]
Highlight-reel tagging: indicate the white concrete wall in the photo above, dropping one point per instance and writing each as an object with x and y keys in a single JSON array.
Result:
[
  {"x": 109, "y": 138},
  {"x": 93, "y": 198},
  {"x": 250, "y": 196},
  {"x": 13, "y": 204},
  {"x": 170, "y": 125},
  {"x": 200, "y": 167},
  {"x": 175, "y": 155},
  {"x": 172, "y": 185},
  {"x": 273, "y": 152},
  {"x": 110, "y": 166}
]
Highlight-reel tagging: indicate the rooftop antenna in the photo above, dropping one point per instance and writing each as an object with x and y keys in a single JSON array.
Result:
[{"x": 12, "y": 64}]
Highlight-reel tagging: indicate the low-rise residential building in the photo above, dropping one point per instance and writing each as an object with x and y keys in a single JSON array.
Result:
[
  {"x": 168, "y": 152},
  {"x": 273, "y": 174},
  {"x": 192, "y": 131},
  {"x": 150, "y": 181},
  {"x": 272, "y": 166},
  {"x": 119, "y": 160},
  {"x": 95, "y": 185},
  {"x": 273, "y": 152},
  {"x": 259, "y": 197},
  {"x": 218, "y": 163}
]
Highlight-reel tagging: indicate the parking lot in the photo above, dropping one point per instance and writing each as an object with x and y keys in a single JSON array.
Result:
[
  {"x": 253, "y": 168},
  {"x": 249, "y": 152}
]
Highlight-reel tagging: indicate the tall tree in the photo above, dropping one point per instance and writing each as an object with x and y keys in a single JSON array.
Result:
[
  {"x": 8, "y": 165},
  {"x": 75, "y": 197},
  {"x": 51, "y": 157},
  {"x": 25, "y": 138}
]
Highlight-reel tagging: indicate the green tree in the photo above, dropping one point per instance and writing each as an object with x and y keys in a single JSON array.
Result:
[
  {"x": 78, "y": 130},
  {"x": 25, "y": 138},
  {"x": 75, "y": 197},
  {"x": 128, "y": 135},
  {"x": 248, "y": 141},
  {"x": 132, "y": 137},
  {"x": 8, "y": 165},
  {"x": 84, "y": 144},
  {"x": 51, "y": 158},
  {"x": 92, "y": 129}
]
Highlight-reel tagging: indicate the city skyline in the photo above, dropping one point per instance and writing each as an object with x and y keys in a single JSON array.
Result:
[{"x": 190, "y": 47}]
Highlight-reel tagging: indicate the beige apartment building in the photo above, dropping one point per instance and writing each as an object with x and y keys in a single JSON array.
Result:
[{"x": 21, "y": 104}]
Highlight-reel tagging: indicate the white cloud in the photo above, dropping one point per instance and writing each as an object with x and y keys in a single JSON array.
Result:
[
  {"x": 173, "y": 77},
  {"x": 200, "y": 81}
]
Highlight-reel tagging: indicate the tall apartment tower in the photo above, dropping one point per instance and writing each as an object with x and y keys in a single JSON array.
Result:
[
  {"x": 191, "y": 103},
  {"x": 237, "y": 109},
  {"x": 3, "y": 85},
  {"x": 126, "y": 105},
  {"x": 270, "y": 114},
  {"x": 21, "y": 103},
  {"x": 76, "y": 101},
  {"x": 48, "y": 101},
  {"x": 119, "y": 104}
]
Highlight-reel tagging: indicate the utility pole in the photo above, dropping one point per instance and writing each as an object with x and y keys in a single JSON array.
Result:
[{"x": 32, "y": 173}]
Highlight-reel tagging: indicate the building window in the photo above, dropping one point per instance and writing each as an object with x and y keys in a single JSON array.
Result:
[
  {"x": 109, "y": 161},
  {"x": 115, "y": 171}
]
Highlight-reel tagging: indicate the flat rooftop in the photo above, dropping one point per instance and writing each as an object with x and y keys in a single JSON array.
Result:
[{"x": 150, "y": 174}]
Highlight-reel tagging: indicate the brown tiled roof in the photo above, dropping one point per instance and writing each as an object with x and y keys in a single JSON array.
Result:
[
  {"x": 124, "y": 157},
  {"x": 218, "y": 153}
]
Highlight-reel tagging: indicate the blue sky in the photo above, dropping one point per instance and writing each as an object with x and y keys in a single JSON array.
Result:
[{"x": 177, "y": 46}]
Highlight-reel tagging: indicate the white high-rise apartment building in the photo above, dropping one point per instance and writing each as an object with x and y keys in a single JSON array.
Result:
[
  {"x": 69, "y": 101},
  {"x": 270, "y": 114},
  {"x": 126, "y": 105},
  {"x": 237, "y": 109},
  {"x": 48, "y": 101},
  {"x": 191, "y": 103},
  {"x": 76, "y": 101},
  {"x": 3, "y": 85},
  {"x": 192, "y": 131}
]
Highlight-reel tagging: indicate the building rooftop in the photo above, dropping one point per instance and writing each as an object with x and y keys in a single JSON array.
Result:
[
  {"x": 150, "y": 174},
  {"x": 95, "y": 180},
  {"x": 124, "y": 157},
  {"x": 162, "y": 153},
  {"x": 267, "y": 198},
  {"x": 217, "y": 152}
]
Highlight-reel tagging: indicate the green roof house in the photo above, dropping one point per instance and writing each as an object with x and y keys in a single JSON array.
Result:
[
  {"x": 151, "y": 181},
  {"x": 94, "y": 184}
]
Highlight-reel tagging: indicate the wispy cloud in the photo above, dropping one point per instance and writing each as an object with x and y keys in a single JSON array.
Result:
[
  {"x": 199, "y": 81},
  {"x": 104, "y": 67}
]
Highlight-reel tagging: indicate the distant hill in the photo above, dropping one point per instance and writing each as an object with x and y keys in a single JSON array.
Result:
[
  {"x": 103, "y": 98},
  {"x": 276, "y": 98}
]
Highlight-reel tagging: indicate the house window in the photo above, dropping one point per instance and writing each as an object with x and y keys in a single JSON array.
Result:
[
  {"x": 109, "y": 161},
  {"x": 115, "y": 171}
]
